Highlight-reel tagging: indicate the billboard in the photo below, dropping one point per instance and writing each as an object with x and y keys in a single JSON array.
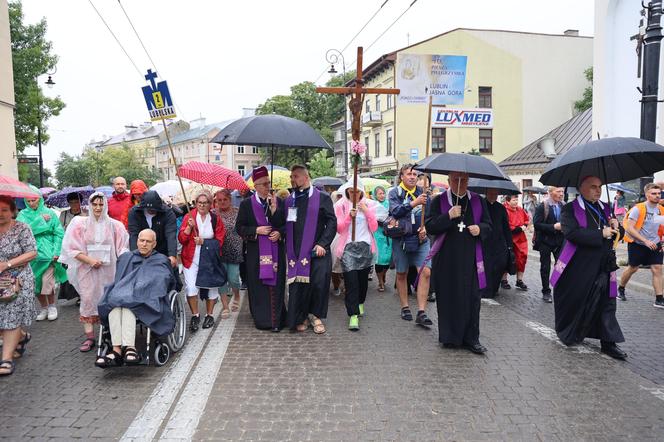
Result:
[
  {"x": 450, "y": 117},
  {"x": 442, "y": 77}
]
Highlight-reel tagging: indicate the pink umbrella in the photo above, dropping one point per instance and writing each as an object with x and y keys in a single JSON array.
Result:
[
  {"x": 12, "y": 187},
  {"x": 212, "y": 174}
]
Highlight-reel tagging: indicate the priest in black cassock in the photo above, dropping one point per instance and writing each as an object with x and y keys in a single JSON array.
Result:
[
  {"x": 584, "y": 277},
  {"x": 497, "y": 245},
  {"x": 260, "y": 222},
  {"x": 310, "y": 228},
  {"x": 461, "y": 222}
]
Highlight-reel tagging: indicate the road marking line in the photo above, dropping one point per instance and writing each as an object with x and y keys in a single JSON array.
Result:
[
  {"x": 657, "y": 392},
  {"x": 550, "y": 334},
  {"x": 490, "y": 301},
  {"x": 149, "y": 419},
  {"x": 190, "y": 406}
]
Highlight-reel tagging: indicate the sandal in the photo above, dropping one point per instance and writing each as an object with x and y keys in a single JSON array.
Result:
[
  {"x": 303, "y": 327},
  {"x": 21, "y": 347},
  {"x": 406, "y": 314},
  {"x": 319, "y": 327},
  {"x": 7, "y": 365},
  {"x": 225, "y": 313},
  {"x": 381, "y": 288},
  {"x": 235, "y": 305},
  {"x": 87, "y": 345},
  {"x": 131, "y": 357},
  {"x": 108, "y": 361}
]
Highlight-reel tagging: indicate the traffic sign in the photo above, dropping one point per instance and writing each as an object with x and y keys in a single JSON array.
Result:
[
  {"x": 24, "y": 159},
  {"x": 158, "y": 98}
]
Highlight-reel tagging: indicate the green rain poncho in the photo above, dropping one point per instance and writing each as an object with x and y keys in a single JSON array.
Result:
[{"x": 48, "y": 235}]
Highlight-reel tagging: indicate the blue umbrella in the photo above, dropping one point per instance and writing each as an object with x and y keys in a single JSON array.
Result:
[{"x": 59, "y": 198}]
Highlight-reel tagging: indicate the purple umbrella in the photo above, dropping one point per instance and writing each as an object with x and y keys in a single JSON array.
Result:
[
  {"x": 59, "y": 199},
  {"x": 45, "y": 191}
]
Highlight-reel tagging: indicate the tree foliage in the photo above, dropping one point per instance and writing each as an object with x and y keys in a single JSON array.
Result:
[
  {"x": 321, "y": 165},
  {"x": 31, "y": 57},
  {"x": 305, "y": 104},
  {"x": 586, "y": 101},
  {"x": 98, "y": 168},
  {"x": 29, "y": 173}
]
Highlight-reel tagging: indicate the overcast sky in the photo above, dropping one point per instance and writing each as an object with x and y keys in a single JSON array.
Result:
[{"x": 221, "y": 56}]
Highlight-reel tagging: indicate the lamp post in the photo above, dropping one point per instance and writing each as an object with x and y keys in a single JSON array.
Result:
[
  {"x": 50, "y": 83},
  {"x": 333, "y": 56}
]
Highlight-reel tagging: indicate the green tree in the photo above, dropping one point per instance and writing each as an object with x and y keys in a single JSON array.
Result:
[
  {"x": 321, "y": 165},
  {"x": 305, "y": 104},
  {"x": 75, "y": 170},
  {"x": 586, "y": 101},
  {"x": 29, "y": 173},
  {"x": 31, "y": 57}
]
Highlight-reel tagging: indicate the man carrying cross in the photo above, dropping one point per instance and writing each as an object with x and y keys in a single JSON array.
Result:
[{"x": 462, "y": 222}]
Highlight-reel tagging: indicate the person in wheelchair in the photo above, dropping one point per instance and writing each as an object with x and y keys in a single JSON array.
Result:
[{"x": 143, "y": 280}]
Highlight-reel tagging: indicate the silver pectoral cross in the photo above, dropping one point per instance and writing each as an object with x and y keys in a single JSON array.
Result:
[{"x": 461, "y": 226}]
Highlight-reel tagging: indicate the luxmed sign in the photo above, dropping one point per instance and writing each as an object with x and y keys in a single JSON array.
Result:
[{"x": 448, "y": 117}]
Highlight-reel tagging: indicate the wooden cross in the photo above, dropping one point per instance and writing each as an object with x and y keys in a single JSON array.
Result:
[{"x": 356, "y": 94}]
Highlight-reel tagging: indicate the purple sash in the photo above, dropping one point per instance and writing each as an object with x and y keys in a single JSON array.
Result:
[
  {"x": 268, "y": 251},
  {"x": 476, "y": 205},
  {"x": 570, "y": 249},
  {"x": 299, "y": 265}
]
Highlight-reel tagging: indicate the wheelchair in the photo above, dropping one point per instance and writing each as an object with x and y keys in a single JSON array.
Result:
[{"x": 160, "y": 348}]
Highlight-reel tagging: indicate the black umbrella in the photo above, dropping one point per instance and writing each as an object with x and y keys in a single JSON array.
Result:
[
  {"x": 613, "y": 160},
  {"x": 475, "y": 166},
  {"x": 480, "y": 185},
  {"x": 270, "y": 131},
  {"x": 327, "y": 181},
  {"x": 535, "y": 189}
]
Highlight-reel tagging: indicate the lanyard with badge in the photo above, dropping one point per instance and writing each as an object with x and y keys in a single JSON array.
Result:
[{"x": 292, "y": 211}]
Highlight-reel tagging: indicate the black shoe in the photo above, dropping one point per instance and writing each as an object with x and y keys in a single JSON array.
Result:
[
  {"x": 611, "y": 349},
  {"x": 423, "y": 320},
  {"x": 521, "y": 285},
  {"x": 659, "y": 303},
  {"x": 406, "y": 315},
  {"x": 431, "y": 297},
  {"x": 546, "y": 297},
  {"x": 448, "y": 345},
  {"x": 476, "y": 348},
  {"x": 208, "y": 321},
  {"x": 193, "y": 325},
  {"x": 505, "y": 285},
  {"x": 275, "y": 330},
  {"x": 621, "y": 294}
]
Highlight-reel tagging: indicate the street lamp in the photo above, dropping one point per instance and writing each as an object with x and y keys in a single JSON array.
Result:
[
  {"x": 333, "y": 56},
  {"x": 50, "y": 83}
]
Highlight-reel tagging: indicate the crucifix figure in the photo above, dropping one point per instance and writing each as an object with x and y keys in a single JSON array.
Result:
[
  {"x": 461, "y": 226},
  {"x": 357, "y": 94}
]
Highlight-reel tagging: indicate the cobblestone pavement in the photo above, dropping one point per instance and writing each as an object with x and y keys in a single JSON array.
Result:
[{"x": 389, "y": 381}]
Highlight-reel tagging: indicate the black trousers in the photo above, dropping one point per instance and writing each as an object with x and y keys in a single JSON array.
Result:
[
  {"x": 357, "y": 284},
  {"x": 545, "y": 252}
]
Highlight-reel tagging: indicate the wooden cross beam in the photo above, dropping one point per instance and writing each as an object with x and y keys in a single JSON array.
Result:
[{"x": 357, "y": 94}]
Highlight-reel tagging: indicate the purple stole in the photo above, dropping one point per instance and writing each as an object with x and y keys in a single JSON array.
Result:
[
  {"x": 299, "y": 265},
  {"x": 268, "y": 251},
  {"x": 476, "y": 205},
  {"x": 570, "y": 249}
]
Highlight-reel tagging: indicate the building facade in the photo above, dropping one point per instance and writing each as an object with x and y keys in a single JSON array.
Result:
[
  {"x": 8, "y": 164},
  {"x": 194, "y": 145},
  {"x": 527, "y": 81}
]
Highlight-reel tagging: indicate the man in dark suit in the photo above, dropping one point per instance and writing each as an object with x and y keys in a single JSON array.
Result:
[{"x": 548, "y": 235}]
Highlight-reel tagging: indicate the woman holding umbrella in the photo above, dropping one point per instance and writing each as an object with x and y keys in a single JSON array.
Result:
[
  {"x": 356, "y": 260},
  {"x": 518, "y": 220},
  {"x": 17, "y": 299},
  {"x": 48, "y": 234}
]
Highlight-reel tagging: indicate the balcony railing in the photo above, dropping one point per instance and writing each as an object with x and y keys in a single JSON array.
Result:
[{"x": 372, "y": 118}]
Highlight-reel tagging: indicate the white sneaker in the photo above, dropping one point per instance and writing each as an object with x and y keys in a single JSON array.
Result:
[
  {"x": 42, "y": 314},
  {"x": 52, "y": 313}
]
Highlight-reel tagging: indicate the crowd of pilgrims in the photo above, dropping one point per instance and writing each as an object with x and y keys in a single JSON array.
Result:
[{"x": 291, "y": 250}]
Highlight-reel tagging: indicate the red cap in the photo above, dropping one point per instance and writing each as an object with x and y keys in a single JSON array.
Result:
[{"x": 259, "y": 173}]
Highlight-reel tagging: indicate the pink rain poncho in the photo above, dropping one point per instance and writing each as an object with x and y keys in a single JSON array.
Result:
[{"x": 104, "y": 239}]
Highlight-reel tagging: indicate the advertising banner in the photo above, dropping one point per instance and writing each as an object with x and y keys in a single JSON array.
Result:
[
  {"x": 441, "y": 76},
  {"x": 450, "y": 117}
]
